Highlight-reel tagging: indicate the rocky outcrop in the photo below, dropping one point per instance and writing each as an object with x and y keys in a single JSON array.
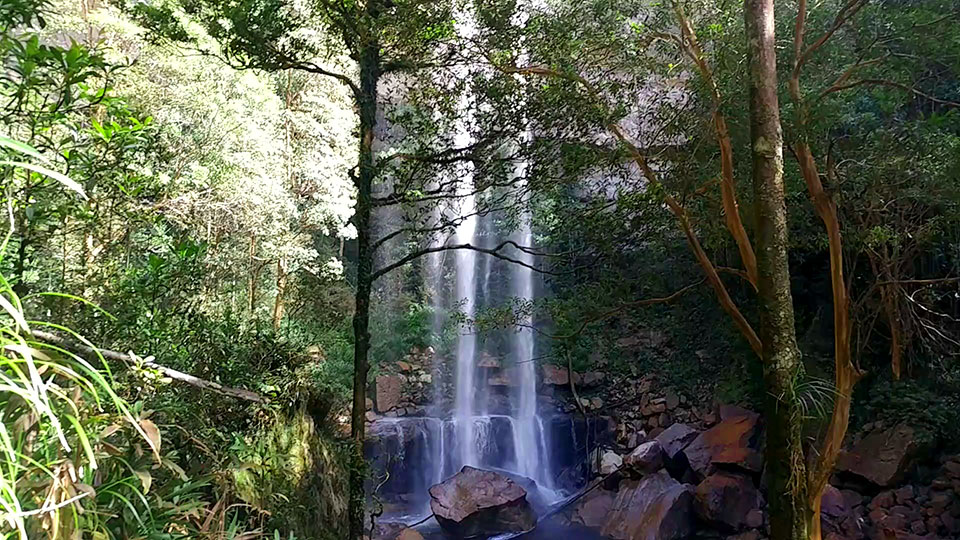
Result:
[
  {"x": 882, "y": 458},
  {"x": 734, "y": 443},
  {"x": 389, "y": 389},
  {"x": 654, "y": 508},
  {"x": 726, "y": 501},
  {"x": 475, "y": 502},
  {"x": 555, "y": 376}
]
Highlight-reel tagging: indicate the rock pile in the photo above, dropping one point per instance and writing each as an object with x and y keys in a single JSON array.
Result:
[{"x": 404, "y": 387}]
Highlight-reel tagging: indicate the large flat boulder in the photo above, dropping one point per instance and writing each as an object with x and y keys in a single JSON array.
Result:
[
  {"x": 734, "y": 443},
  {"x": 882, "y": 458},
  {"x": 726, "y": 499},
  {"x": 479, "y": 503},
  {"x": 654, "y": 508}
]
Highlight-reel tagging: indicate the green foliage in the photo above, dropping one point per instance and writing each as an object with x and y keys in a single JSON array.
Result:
[
  {"x": 294, "y": 473},
  {"x": 932, "y": 410},
  {"x": 395, "y": 333}
]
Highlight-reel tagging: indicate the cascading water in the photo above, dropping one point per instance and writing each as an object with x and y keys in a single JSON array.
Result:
[{"x": 485, "y": 410}]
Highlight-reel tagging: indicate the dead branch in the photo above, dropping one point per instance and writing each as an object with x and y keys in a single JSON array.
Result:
[{"x": 127, "y": 359}]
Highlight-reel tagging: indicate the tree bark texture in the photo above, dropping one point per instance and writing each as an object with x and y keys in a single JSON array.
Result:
[
  {"x": 369, "y": 58},
  {"x": 781, "y": 357}
]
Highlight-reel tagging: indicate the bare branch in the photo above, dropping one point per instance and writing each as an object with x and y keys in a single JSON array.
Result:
[{"x": 197, "y": 382}]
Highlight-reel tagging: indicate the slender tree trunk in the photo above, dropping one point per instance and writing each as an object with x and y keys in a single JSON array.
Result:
[
  {"x": 786, "y": 471},
  {"x": 278, "y": 306},
  {"x": 369, "y": 58},
  {"x": 254, "y": 271}
]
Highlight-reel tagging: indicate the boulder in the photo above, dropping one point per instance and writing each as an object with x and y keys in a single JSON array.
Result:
[
  {"x": 556, "y": 376},
  {"x": 645, "y": 459},
  {"x": 882, "y": 458},
  {"x": 610, "y": 461},
  {"x": 725, "y": 499},
  {"x": 405, "y": 367},
  {"x": 733, "y": 443},
  {"x": 590, "y": 378},
  {"x": 732, "y": 411},
  {"x": 675, "y": 438},
  {"x": 488, "y": 362},
  {"x": 389, "y": 390},
  {"x": 409, "y": 534},
  {"x": 592, "y": 510},
  {"x": 475, "y": 502},
  {"x": 654, "y": 508}
]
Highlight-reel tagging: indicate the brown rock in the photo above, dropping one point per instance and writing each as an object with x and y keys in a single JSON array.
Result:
[
  {"x": 475, "y": 502},
  {"x": 950, "y": 523},
  {"x": 675, "y": 438},
  {"x": 884, "y": 499},
  {"x": 590, "y": 378},
  {"x": 754, "y": 518},
  {"x": 645, "y": 459},
  {"x": 389, "y": 389},
  {"x": 882, "y": 458},
  {"x": 409, "y": 534},
  {"x": 673, "y": 400},
  {"x": 654, "y": 508},
  {"x": 369, "y": 404},
  {"x": 732, "y": 442},
  {"x": 404, "y": 367},
  {"x": 918, "y": 527},
  {"x": 502, "y": 379},
  {"x": 556, "y": 376},
  {"x": 488, "y": 362},
  {"x": 724, "y": 499},
  {"x": 732, "y": 411},
  {"x": 370, "y": 416},
  {"x": 851, "y": 498},
  {"x": 904, "y": 494},
  {"x": 593, "y": 509}
]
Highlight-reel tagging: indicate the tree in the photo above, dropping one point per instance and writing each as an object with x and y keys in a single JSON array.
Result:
[{"x": 600, "y": 73}]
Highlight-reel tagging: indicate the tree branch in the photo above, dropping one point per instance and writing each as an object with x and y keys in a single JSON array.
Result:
[
  {"x": 495, "y": 252},
  {"x": 197, "y": 382}
]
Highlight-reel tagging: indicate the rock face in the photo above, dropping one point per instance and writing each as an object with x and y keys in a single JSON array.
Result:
[
  {"x": 882, "y": 458},
  {"x": 654, "y": 508},
  {"x": 556, "y": 376},
  {"x": 645, "y": 459},
  {"x": 725, "y": 500},
  {"x": 389, "y": 388},
  {"x": 733, "y": 443},
  {"x": 593, "y": 509},
  {"x": 475, "y": 502}
]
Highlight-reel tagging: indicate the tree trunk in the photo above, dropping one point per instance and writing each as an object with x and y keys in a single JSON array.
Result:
[
  {"x": 786, "y": 472},
  {"x": 281, "y": 289},
  {"x": 254, "y": 271},
  {"x": 369, "y": 59}
]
